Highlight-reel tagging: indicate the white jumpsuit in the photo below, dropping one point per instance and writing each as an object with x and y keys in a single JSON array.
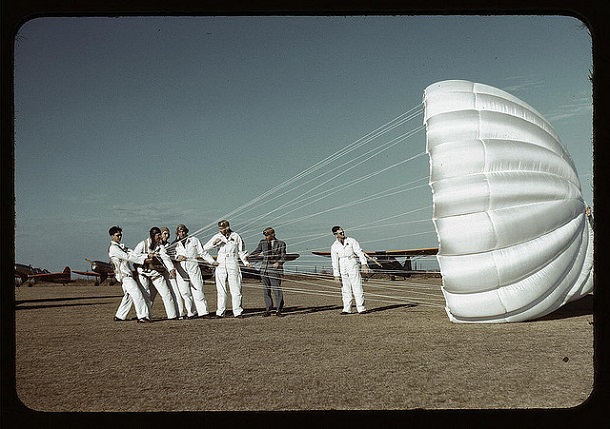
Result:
[
  {"x": 181, "y": 296},
  {"x": 345, "y": 265},
  {"x": 189, "y": 271},
  {"x": 230, "y": 250},
  {"x": 148, "y": 276},
  {"x": 121, "y": 256}
]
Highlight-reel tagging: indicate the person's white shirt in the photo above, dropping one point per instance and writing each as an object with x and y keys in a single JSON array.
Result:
[
  {"x": 229, "y": 248},
  {"x": 144, "y": 247},
  {"x": 191, "y": 248},
  {"x": 121, "y": 256},
  {"x": 346, "y": 255}
]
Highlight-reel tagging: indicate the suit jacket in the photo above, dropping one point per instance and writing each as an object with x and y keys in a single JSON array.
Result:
[{"x": 277, "y": 254}]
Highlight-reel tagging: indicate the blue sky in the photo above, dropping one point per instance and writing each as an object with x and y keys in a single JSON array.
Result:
[{"x": 163, "y": 120}]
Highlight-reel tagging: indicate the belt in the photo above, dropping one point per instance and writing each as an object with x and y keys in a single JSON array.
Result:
[{"x": 152, "y": 277}]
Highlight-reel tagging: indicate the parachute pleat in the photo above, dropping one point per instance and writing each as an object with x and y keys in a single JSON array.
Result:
[{"x": 514, "y": 241}]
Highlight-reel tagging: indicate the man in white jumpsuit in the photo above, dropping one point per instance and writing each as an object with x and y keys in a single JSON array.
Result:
[
  {"x": 121, "y": 256},
  {"x": 185, "y": 306},
  {"x": 188, "y": 251},
  {"x": 231, "y": 248},
  {"x": 150, "y": 273},
  {"x": 345, "y": 253}
]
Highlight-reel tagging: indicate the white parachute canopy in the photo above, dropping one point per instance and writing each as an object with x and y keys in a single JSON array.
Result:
[{"x": 514, "y": 241}]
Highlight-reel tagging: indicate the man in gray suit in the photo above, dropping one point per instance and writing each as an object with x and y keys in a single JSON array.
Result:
[{"x": 273, "y": 252}]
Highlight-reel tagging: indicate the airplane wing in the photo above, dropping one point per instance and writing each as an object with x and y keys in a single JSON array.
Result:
[
  {"x": 289, "y": 257},
  {"x": 410, "y": 252},
  {"x": 87, "y": 273}
]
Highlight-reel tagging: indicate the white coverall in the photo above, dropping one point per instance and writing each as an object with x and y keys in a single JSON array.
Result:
[
  {"x": 121, "y": 256},
  {"x": 230, "y": 250},
  {"x": 189, "y": 271},
  {"x": 345, "y": 265},
  {"x": 185, "y": 306},
  {"x": 148, "y": 276}
]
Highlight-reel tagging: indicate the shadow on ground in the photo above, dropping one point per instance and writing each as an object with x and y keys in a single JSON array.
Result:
[
  {"x": 581, "y": 307},
  {"x": 61, "y": 302},
  {"x": 294, "y": 310}
]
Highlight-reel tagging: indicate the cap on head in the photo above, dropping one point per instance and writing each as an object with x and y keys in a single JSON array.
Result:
[
  {"x": 182, "y": 227},
  {"x": 223, "y": 223}
]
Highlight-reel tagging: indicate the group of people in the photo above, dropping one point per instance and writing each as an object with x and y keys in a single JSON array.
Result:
[{"x": 172, "y": 271}]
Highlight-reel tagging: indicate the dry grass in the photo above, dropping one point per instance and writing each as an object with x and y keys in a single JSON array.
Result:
[{"x": 71, "y": 356}]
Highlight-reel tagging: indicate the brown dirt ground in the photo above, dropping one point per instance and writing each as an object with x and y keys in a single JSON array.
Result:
[{"x": 71, "y": 355}]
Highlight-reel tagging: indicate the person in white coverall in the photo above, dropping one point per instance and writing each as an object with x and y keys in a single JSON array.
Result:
[
  {"x": 345, "y": 253},
  {"x": 182, "y": 298},
  {"x": 188, "y": 251},
  {"x": 150, "y": 273},
  {"x": 231, "y": 248},
  {"x": 121, "y": 256}
]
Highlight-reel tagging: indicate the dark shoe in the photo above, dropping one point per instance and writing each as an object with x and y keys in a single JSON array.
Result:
[
  {"x": 182, "y": 317},
  {"x": 265, "y": 314},
  {"x": 116, "y": 319},
  {"x": 207, "y": 316},
  {"x": 279, "y": 314},
  {"x": 344, "y": 313},
  {"x": 172, "y": 318},
  {"x": 146, "y": 320},
  {"x": 194, "y": 316},
  {"x": 218, "y": 317},
  {"x": 363, "y": 312},
  {"x": 241, "y": 316}
]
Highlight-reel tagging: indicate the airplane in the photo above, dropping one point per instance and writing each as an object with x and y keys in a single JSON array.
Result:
[
  {"x": 385, "y": 262},
  {"x": 100, "y": 270},
  {"x": 22, "y": 272},
  {"x": 30, "y": 275}
]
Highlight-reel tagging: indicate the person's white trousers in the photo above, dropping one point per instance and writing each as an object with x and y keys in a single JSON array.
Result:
[
  {"x": 231, "y": 274},
  {"x": 160, "y": 286},
  {"x": 132, "y": 294},
  {"x": 190, "y": 284},
  {"x": 351, "y": 283}
]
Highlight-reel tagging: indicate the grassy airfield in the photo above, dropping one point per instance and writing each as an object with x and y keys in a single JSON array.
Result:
[{"x": 404, "y": 355}]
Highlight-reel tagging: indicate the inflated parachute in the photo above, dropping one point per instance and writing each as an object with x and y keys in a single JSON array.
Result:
[{"x": 514, "y": 241}]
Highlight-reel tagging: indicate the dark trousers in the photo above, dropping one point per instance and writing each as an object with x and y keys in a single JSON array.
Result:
[{"x": 272, "y": 289}]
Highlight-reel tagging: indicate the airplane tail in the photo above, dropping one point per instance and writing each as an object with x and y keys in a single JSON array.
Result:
[{"x": 66, "y": 270}]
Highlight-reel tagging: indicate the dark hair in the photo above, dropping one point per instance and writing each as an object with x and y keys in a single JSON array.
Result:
[
  {"x": 114, "y": 229},
  {"x": 336, "y": 228},
  {"x": 152, "y": 232}
]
